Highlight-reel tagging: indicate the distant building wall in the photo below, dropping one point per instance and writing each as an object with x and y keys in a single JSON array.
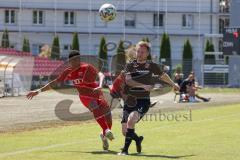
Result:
[
  {"x": 234, "y": 13},
  {"x": 234, "y": 71}
]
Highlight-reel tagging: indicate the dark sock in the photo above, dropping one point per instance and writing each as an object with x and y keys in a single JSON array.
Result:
[
  {"x": 133, "y": 135},
  {"x": 128, "y": 141}
]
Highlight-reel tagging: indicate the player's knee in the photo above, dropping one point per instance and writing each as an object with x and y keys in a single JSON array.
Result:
[
  {"x": 130, "y": 122},
  {"x": 124, "y": 133},
  {"x": 124, "y": 129},
  {"x": 132, "y": 119}
]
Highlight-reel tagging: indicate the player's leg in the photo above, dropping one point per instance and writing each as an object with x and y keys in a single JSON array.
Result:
[
  {"x": 191, "y": 93},
  {"x": 133, "y": 114},
  {"x": 134, "y": 117},
  {"x": 124, "y": 129},
  {"x": 124, "y": 120},
  {"x": 202, "y": 98},
  {"x": 130, "y": 131},
  {"x": 108, "y": 117},
  {"x": 100, "y": 110},
  {"x": 142, "y": 108},
  {"x": 128, "y": 140},
  {"x": 103, "y": 116}
]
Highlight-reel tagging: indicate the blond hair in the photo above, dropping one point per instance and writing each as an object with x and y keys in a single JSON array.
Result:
[
  {"x": 130, "y": 53},
  {"x": 144, "y": 44}
]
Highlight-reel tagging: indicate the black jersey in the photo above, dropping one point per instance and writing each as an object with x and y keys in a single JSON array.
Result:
[
  {"x": 141, "y": 73},
  {"x": 184, "y": 84}
]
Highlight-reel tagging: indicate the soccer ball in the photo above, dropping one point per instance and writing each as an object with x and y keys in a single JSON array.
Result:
[{"x": 107, "y": 12}]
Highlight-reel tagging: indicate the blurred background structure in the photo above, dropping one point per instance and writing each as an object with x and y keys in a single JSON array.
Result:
[{"x": 186, "y": 35}]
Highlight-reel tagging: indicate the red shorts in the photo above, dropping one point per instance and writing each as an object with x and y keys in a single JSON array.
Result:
[{"x": 98, "y": 106}]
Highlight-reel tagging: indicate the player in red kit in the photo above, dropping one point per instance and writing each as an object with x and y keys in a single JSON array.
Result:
[{"x": 83, "y": 76}]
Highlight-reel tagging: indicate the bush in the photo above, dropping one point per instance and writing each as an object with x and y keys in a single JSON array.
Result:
[
  {"x": 5, "y": 39},
  {"x": 55, "y": 53},
  {"x": 102, "y": 54},
  {"x": 187, "y": 58}
]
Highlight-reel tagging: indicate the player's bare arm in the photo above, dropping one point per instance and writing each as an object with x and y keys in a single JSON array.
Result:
[
  {"x": 164, "y": 77},
  {"x": 101, "y": 78},
  {"x": 132, "y": 83},
  {"x": 47, "y": 87}
]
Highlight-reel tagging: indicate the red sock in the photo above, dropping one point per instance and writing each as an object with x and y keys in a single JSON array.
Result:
[
  {"x": 102, "y": 122},
  {"x": 109, "y": 120}
]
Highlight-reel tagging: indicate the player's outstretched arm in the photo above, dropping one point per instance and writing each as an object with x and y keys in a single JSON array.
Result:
[
  {"x": 101, "y": 79},
  {"x": 168, "y": 80},
  {"x": 132, "y": 83},
  {"x": 31, "y": 94}
]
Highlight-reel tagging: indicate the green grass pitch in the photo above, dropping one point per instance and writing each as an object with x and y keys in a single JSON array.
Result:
[{"x": 213, "y": 133}]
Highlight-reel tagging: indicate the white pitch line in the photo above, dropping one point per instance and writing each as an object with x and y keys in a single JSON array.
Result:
[
  {"x": 198, "y": 121},
  {"x": 65, "y": 144},
  {"x": 40, "y": 148}
]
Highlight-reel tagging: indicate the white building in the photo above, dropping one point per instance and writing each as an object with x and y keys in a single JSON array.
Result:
[{"x": 40, "y": 20}]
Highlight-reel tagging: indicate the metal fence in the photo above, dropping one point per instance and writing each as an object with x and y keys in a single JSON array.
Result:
[{"x": 15, "y": 75}]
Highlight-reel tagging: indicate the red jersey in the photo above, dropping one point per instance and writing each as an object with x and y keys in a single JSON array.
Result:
[{"x": 83, "y": 78}]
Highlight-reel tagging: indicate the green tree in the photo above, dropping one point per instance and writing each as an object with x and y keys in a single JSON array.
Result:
[
  {"x": 102, "y": 54},
  {"x": 187, "y": 58},
  {"x": 165, "y": 50},
  {"x": 26, "y": 45},
  {"x": 209, "y": 59},
  {"x": 120, "y": 58},
  {"x": 5, "y": 39},
  {"x": 145, "y": 39},
  {"x": 55, "y": 52},
  {"x": 75, "y": 42}
]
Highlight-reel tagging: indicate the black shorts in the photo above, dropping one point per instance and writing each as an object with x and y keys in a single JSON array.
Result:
[{"x": 142, "y": 106}]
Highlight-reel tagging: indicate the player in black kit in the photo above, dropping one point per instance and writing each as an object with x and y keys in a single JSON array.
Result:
[{"x": 139, "y": 81}]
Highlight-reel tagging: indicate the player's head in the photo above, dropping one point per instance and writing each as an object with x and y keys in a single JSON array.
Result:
[
  {"x": 142, "y": 50},
  {"x": 192, "y": 73},
  {"x": 177, "y": 76},
  {"x": 74, "y": 58},
  {"x": 190, "y": 77}
]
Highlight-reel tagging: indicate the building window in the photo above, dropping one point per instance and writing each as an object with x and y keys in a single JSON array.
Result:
[
  {"x": 65, "y": 50},
  {"x": 38, "y": 17},
  {"x": 158, "y": 20},
  {"x": 66, "y": 47},
  {"x": 187, "y": 21},
  {"x": 130, "y": 20},
  {"x": 224, "y": 6},
  {"x": 69, "y": 18},
  {"x": 99, "y": 22},
  {"x": 36, "y": 49},
  {"x": 223, "y": 23},
  {"x": 10, "y": 17}
]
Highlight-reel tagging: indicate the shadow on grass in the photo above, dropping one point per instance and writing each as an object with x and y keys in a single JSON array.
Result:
[
  {"x": 110, "y": 152},
  {"x": 160, "y": 156},
  {"x": 142, "y": 155},
  {"x": 103, "y": 152}
]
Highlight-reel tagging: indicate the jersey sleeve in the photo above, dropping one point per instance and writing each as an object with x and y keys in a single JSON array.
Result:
[
  {"x": 63, "y": 76},
  {"x": 90, "y": 74},
  {"x": 156, "y": 69}
]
